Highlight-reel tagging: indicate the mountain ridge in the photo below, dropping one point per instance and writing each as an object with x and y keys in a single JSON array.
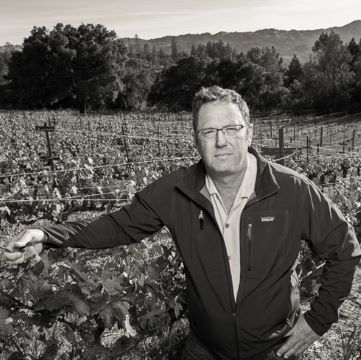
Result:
[{"x": 286, "y": 42}]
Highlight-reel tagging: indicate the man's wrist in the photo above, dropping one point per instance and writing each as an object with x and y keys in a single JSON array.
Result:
[
  {"x": 43, "y": 237},
  {"x": 313, "y": 324}
]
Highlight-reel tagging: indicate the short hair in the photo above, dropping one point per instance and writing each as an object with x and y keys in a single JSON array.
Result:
[{"x": 215, "y": 93}]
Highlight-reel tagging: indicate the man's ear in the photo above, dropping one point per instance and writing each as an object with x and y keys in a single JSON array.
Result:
[{"x": 195, "y": 141}]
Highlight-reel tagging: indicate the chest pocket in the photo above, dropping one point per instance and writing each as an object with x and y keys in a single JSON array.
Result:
[{"x": 265, "y": 234}]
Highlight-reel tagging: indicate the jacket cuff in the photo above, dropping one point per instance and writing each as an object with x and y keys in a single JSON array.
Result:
[
  {"x": 54, "y": 238},
  {"x": 315, "y": 325}
]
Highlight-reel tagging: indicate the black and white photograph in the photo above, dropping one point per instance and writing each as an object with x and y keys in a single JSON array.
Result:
[{"x": 180, "y": 180}]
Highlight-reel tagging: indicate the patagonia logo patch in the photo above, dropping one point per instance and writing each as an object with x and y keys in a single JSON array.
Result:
[{"x": 267, "y": 218}]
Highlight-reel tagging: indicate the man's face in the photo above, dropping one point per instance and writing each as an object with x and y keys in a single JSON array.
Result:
[{"x": 223, "y": 155}]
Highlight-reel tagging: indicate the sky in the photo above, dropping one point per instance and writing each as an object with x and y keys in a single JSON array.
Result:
[{"x": 156, "y": 18}]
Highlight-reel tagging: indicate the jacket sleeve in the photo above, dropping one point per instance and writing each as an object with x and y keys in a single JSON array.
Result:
[
  {"x": 331, "y": 239},
  {"x": 128, "y": 225}
]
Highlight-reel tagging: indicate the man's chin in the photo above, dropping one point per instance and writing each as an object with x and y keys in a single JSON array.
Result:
[{"x": 224, "y": 170}]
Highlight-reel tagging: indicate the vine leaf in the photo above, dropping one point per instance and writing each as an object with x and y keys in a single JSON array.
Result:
[
  {"x": 107, "y": 316},
  {"x": 111, "y": 283},
  {"x": 65, "y": 298},
  {"x": 5, "y": 323},
  {"x": 50, "y": 351},
  {"x": 154, "y": 320},
  {"x": 120, "y": 310}
]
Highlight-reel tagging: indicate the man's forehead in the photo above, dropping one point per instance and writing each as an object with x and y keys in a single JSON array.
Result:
[{"x": 218, "y": 109}]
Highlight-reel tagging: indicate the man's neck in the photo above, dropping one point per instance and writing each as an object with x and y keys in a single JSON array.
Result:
[
  {"x": 228, "y": 182},
  {"x": 228, "y": 187}
]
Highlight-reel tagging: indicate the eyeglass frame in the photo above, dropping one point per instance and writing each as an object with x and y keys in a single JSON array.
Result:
[{"x": 239, "y": 126}]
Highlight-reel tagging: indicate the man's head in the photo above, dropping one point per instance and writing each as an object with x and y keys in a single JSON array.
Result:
[
  {"x": 222, "y": 130},
  {"x": 216, "y": 93}
]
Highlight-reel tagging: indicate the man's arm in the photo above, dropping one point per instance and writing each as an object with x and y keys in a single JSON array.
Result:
[
  {"x": 128, "y": 225},
  {"x": 332, "y": 239}
]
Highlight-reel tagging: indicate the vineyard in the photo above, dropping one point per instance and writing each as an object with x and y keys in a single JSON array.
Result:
[{"x": 129, "y": 303}]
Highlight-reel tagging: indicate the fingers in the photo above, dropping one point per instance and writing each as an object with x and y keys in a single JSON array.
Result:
[
  {"x": 286, "y": 347},
  {"x": 297, "y": 350},
  {"x": 18, "y": 249},
  {"x": 15, "y": 258},
  {"x": 32, "y": 236},
  {"x": 296, "y": 344}
]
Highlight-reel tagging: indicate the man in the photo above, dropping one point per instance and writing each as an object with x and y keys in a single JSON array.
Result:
[{"x": 238, "y": 221}]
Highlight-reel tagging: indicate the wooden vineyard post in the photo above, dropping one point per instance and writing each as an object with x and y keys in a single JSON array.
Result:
[
  {"x": 307, "y": 146},
  {"x": 125, "y": 144},
  {"x": 353, "y": 139},
  {"x": 281, "y": 143},
  {"x": 13, "y": 133},
  {"x": 281, "y": 138},
  {"x": 321, "y": 136},
  {"x": 294, "y": 133},
  {"x": 270, "y": 129},
  {"x": 158, "y": 140},
  {"x": 46, "y": 129},
  {"x": 90, "y": 140}
]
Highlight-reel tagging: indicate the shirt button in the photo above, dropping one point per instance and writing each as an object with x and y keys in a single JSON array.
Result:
[{"x": 227, "y": 226}]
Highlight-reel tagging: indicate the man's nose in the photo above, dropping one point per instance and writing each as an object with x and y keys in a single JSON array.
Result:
[{"x": 220, "y": 138}]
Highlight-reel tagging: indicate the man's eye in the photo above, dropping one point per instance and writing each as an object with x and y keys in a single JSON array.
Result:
[
  {"x": 232, "y": 130},
  {"x": 208, "y": 132}
]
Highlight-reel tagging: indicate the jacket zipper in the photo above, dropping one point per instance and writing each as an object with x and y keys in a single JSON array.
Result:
[
  {"x": 249, "y": 245},
  {"x": 226, "y": 261}
]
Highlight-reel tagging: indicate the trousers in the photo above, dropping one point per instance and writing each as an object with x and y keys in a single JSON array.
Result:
[{"x": 195, "y": 350}]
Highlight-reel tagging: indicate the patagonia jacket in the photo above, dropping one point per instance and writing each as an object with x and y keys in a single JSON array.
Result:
[{"x": 286, "y": 209}]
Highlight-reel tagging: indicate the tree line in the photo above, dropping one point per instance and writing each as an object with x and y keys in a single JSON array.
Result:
[{"x": 89, "y": 68}]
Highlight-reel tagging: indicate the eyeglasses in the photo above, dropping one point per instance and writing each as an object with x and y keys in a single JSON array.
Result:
[{"x": 228, "y": 131}]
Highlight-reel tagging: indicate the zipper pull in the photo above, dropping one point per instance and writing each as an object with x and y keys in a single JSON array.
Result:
[
  {"x": 201, "y": 219},
  {"x": 249, "y": 245}
]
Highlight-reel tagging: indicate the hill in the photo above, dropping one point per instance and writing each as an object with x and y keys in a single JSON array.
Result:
[{"x": 287, "y": 42}]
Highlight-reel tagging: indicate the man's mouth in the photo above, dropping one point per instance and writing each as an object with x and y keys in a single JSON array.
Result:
[{"x": 220, "y": 155}]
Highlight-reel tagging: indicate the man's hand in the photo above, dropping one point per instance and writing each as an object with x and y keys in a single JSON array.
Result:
[
  {"x": 300, "y": 337},
  {"x": 24, "y": 246}
]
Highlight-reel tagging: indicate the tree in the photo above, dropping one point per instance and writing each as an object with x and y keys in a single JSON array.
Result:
[
  {"x": 97, "y": 65},
  {"x": 331, "y": 77},
  {"x": 68, "y": 66},
  {"x": 261, "y": 79},
  {"x": 174, "y": 47},
  {"x": 175, "y": 87},
  {"x": 30, "y": 71},
  {"x": 5, "y": 56},
  {"x": 219, "y": 50},
  {"x": 294, "y": 72},
  {"x": 137, "y": 80},
  {"x": 354, "y": 49},
  {"x": 267, "y": 57},
  {"x": 137, "y": 49},
  {"x": 155, "y": 59},
  {"x": 228, "y": 73},
  {"x": 355, "y": 63}
]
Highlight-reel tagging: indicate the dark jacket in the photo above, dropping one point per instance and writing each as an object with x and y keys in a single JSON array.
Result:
[{"x": 287, "y": 208}]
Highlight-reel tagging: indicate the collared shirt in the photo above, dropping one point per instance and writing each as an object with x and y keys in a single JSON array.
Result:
[{"x": 229, "y": 224}]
